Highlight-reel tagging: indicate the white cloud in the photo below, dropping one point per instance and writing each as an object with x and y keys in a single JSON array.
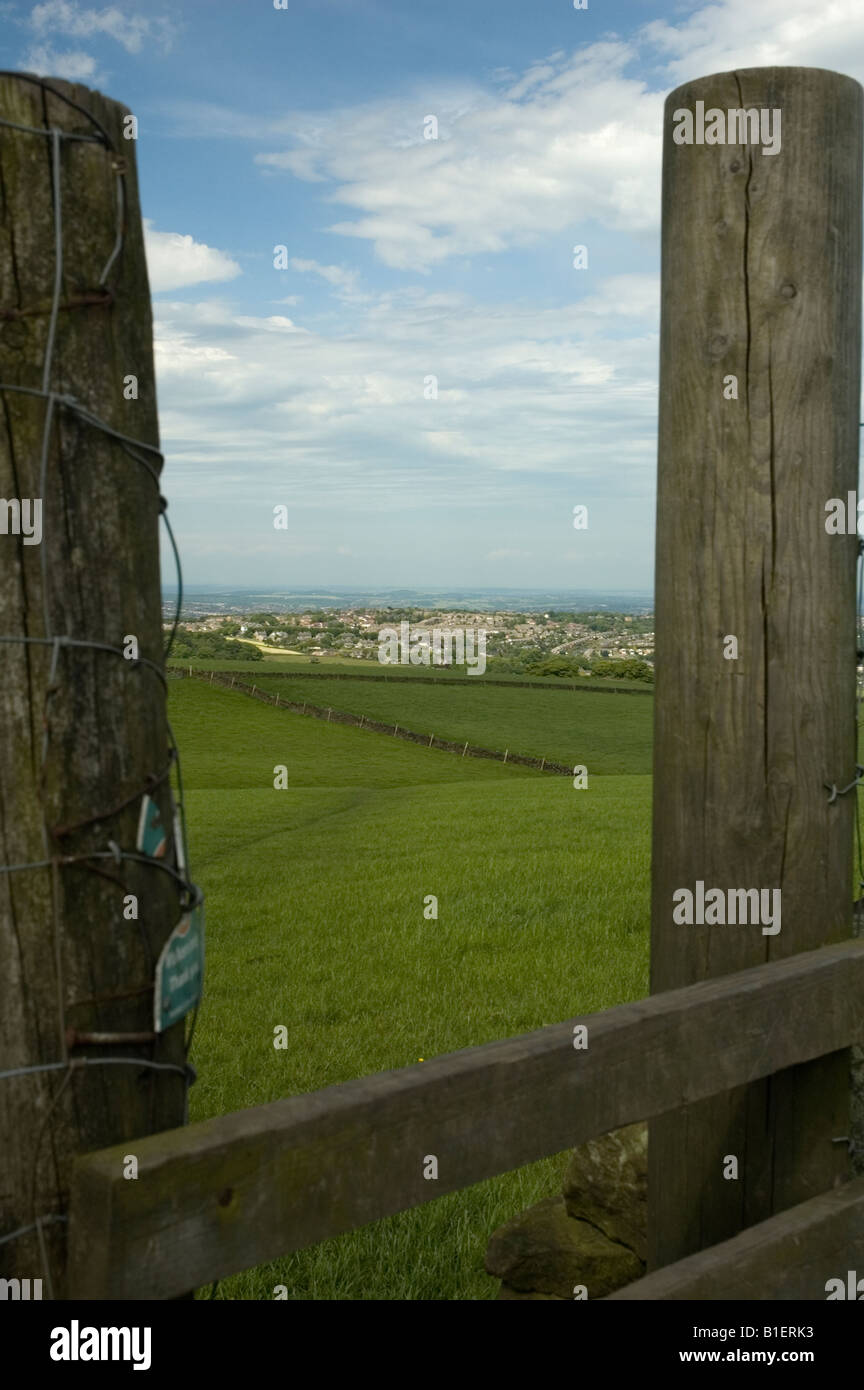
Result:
[
  {"x": 74, "y": 65},
  {"x": 333, "y": 274},
  {"x": 129, "y": 30},
  {"x": 343, "y": 280},
  {"x": 574, "y": 139},
  {"x": 520, "y": 390},
  {"x": 175, "y": 261},
  {"x": 737, "y": 34}
]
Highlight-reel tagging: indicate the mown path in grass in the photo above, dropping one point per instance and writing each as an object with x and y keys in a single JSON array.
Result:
[{"x": 315, "y": 921}]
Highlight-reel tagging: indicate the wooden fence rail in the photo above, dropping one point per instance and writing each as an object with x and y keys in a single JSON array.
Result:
[
  {"x": 789, "y": 1256},
  {"x": 224, "y": 1195}
]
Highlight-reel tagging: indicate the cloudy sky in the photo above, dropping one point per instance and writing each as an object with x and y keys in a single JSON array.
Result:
[{"x": 428, "y": 385}]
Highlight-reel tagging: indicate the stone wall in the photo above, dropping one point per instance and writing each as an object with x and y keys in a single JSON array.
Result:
[{"x": 588, "y": 1241}]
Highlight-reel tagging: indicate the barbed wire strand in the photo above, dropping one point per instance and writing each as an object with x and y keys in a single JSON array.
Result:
[
  {"x": 47, "y": 1220},
  {"x": 193, "y": 894},
  {"x": 76, "y": 1062},
  {"x": 104, "y": 137},
  {"x": 60, "y": 641}
]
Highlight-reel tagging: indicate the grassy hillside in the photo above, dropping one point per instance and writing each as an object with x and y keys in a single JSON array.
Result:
[
  {"x": 315, "y": 921},
  {"x": 228, "y": 740},
  {"x": 333, "y": 667},
  {"x": 565, "y": 726}
]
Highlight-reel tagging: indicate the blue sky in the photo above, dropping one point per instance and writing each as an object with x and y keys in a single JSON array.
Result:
[{"x": 409, "y": 258}]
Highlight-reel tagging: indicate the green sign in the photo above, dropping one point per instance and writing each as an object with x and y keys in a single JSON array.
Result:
[
  {"x": 179, "y": 971},
  {"x": 151, "y": 838}
]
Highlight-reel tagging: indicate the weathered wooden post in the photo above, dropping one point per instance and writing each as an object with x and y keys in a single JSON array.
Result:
[
  {"x": 84, "y": 724},
  {"x": 755, "y": 604}
]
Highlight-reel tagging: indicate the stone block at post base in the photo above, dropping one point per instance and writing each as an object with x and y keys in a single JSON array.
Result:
[{"x": 593, "y": 1234}]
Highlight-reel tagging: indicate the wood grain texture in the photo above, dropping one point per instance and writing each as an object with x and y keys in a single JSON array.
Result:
[
  {"x": 789, "y": 1256},
  {"x": 761, "y": 267},
  {"x": 231, "y": 1193},
  {"x": 105, "y": 719}
]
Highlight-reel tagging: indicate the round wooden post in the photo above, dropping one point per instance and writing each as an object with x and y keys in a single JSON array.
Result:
[
  {"x": 755, "y": 605},
  {"x": 84, "y": 728}
]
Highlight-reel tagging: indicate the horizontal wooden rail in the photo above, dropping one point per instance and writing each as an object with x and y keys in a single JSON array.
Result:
[
  {"x": 789, "y": 1256},
  {"x": 224, "y": 1195}
]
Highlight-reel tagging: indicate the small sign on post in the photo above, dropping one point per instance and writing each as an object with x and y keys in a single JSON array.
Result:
[
  {"x": 151, "y": 838},
  {"x": 179, "y": 971}
]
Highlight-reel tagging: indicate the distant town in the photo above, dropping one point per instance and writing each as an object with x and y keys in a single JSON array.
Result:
[{"x": 556, "y": 642}]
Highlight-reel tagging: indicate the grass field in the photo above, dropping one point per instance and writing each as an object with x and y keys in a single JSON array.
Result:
[
  {"x": 315, "y": 922},
  {"x": 586, "y": 728},
  {"x": 274, "y": 664}
]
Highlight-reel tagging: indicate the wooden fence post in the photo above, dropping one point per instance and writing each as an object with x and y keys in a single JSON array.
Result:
[
  {"x": 76, "y": 320},
  {"x": 755, "y": 608}
]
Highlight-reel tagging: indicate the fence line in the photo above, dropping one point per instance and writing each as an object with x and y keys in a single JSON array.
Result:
[{"x": 362, "y": 721}]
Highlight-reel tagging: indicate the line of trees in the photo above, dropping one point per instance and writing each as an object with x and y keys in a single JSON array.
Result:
[
  {"x": 629, "y": 669},
  {"x": 206, "y": 645}
]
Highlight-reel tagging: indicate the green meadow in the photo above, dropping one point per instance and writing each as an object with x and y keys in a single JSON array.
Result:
[
  {"x": 315, "y": 920},
  {"x": 565, "y": 726},
  {"x": 275, "y": 663}
]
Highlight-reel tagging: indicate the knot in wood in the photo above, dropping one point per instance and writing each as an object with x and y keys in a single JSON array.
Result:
[{"x": 788, "y": 291}]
